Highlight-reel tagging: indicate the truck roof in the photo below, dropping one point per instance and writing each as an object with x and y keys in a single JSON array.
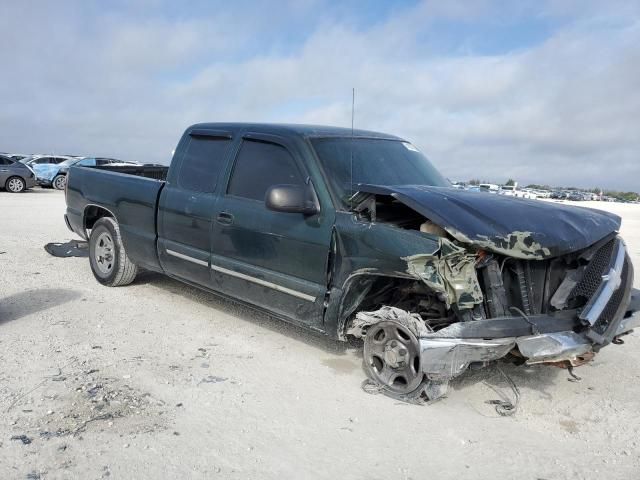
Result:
[{"x": 295, "y": 130}]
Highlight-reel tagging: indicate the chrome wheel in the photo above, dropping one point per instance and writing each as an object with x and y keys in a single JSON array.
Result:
[
  {"x": 59, "y": 182},
  {"x": 15, "y": 185},
  {"x": 392, "y": 357},
  {"x": 104, "y": 254}
]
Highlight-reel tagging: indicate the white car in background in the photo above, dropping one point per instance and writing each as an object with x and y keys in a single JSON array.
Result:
[
  {"x": 512, "y": 191},
  {"x": 489, "y": 187},
  {"x": 542, "y": 193}
]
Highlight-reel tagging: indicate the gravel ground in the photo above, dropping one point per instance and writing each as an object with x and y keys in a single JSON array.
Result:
[{"x": 160, "y": 380}]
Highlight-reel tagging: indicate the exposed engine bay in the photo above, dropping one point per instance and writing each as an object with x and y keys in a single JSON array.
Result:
[{"x": 481, "y": 299}]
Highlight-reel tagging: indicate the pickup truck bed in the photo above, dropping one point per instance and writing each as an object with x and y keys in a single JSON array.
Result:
[{"x": 129, "y": 195}]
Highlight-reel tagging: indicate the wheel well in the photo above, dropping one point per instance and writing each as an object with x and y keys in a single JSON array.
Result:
[
  {"x": 15, "y": 176},
  {"x": 371, "y": 292},
  {"x": 94, "y": 213}
]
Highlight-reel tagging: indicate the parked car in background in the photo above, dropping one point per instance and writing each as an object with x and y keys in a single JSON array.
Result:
[
  {"x": 15, "y": 177},
  {"x": 489, "y": 187},
  {"x": 14, "y": 156},
  {"x": 576, "y": 196},
  {"x": 55, "y": 175},
  {"x": 33, "y": 160},
  {"x": 542, "y": 193},
  {"x": 41, "y": 164},
  {"x": 557, "y": 195},
  {"x": 512, "y": 191}
]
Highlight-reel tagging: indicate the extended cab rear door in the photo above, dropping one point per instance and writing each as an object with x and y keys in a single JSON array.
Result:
[
  {"x": 187, "y": 204},
  {"x": 272, "y": 259}
]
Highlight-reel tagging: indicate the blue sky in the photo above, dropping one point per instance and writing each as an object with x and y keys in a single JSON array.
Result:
[{"x": 541, "y": 91}]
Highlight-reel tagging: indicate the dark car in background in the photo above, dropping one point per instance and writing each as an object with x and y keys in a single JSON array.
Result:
[
  {"x": 15, "y": 177},
  {"x": 577, "y": 197},
  {"x": 14, "y": 156}
]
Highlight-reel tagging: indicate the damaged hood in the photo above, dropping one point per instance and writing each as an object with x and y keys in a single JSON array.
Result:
[{"x": 516, "y": 227}]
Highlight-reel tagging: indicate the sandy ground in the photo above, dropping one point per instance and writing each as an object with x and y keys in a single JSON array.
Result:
[{"x": 160, "y": 380}]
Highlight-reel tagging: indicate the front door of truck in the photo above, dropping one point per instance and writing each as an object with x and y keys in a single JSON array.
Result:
[
  {"x": 187, "y": 204},
  {"x": 272, "y": 259}
]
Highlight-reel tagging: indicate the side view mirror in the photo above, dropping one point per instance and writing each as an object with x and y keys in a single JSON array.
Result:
[{"x": 292, "y": 199}]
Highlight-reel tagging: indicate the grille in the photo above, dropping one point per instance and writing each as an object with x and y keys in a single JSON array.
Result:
[
  {"x": 592, "y": 277},
  {"x": 612, "y": 306}
]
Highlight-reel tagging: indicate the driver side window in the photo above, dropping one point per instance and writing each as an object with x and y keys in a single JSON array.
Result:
[{"x": 260, "y": 165}]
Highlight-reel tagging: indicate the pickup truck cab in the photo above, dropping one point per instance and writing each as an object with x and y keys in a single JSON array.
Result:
[{"x": 357, "y": 234}]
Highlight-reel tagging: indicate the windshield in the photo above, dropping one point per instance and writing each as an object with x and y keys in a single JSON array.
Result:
[{"x": 375, "y": 161}]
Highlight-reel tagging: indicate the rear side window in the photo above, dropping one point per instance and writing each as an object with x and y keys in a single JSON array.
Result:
[
  {"x": 5, "y": 161},
  {"x": 202, "y": 163},
  {"x": 261, "y": 165}
]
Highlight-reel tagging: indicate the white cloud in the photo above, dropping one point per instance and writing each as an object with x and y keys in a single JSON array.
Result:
[{"x": 127, "y": 83}]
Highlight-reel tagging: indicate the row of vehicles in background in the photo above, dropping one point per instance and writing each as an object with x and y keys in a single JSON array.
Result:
[
  {"x": 514, "y": 191},
  {"x": 506, "y": 190},
  {"x": 19, "y": 172},
  {"x": 576, "y": 195}
]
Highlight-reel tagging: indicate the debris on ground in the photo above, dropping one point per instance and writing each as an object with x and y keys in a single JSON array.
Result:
[
  {"x": 213, "y": 379},
  {"x": 505, "y": 407},
  {"x": 23, "y": 438},
  {"x": 73, "y": 248}
]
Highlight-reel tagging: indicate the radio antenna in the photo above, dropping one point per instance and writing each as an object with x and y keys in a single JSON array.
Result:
[{"x": 353, "y": 108}]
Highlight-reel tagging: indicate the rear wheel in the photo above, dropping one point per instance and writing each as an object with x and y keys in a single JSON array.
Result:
[
  {"x": 15, "y": 185},
  {"x": 109, "y": 261},
  {"x": 59, "y": 182}
]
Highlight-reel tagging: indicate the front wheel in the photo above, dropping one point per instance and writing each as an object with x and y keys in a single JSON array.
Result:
[
  {"x": 59, "y": 182},
  {"x": 392, "y": 358},
  {"x": 15, "y": 185},
  {"x": 109, "y": 261}
]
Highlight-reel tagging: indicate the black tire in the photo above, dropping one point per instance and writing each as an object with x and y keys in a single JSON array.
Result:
[
  {"x": 15, "y": 185},
  {"x": 109, "y": 261},
  {"x": 59, "y": 182}
]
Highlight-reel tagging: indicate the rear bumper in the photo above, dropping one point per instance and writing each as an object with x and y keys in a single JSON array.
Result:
[{"x": 30, "y": 182}]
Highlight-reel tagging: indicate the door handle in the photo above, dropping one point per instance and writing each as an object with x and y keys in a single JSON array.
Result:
[{"x": 225, "y": 218}]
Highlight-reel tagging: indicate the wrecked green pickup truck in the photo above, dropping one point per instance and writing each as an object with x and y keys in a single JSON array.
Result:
[{"x": 356, "y": 234}]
